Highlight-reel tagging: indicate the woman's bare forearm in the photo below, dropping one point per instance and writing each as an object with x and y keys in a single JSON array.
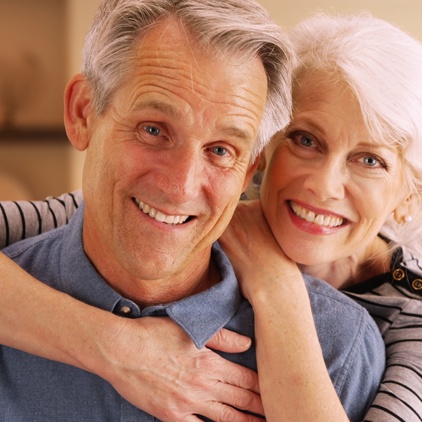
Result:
[
  {"x": 289, "y": 355},
  {"x": 286, "y": 333},
  {"x": 39, "y": 320}
]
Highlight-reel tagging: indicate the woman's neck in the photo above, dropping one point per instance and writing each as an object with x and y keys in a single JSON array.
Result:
[{"x": 354, "y": 269}]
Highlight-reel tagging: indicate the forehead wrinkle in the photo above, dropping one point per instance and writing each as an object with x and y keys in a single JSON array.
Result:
[
  {"x": 161, "y": 62},
  {"x": 241, "y": 102},
  {"x": 165, "y": 107}
]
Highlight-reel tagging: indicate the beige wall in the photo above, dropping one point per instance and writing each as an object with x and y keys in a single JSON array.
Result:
[
  {"x": 79, "y": 15},
  {"x": 32, "y": 75},
  {"x": 33, "y": 58},
  {"x": 54, "y": 31},
  {"x": 406, "y": 14}
]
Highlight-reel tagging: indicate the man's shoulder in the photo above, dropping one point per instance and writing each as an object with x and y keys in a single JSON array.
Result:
[
  {"x": 342, "y": 323},
  {"x": 48, "y": 242},
  {"x": 321, "y": 293},
  {"x": 351, "y": 343},
  {"x": 34, "y": 243},
  {"x": 333, "y": 308}
]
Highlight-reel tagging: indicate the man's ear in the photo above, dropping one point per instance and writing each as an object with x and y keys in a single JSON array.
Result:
[
  {"x": 262, "y": 162},
  {"x": 78, "y": 111},
  {"x": 251, "y": 171}
]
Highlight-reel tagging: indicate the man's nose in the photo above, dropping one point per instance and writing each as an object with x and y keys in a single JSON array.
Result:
[{"x": 182, "y": 178}]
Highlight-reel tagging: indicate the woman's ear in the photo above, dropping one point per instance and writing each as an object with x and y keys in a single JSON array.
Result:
[
  {"x": 406, "y": 210},
  {"x": 78, "y": 111}
]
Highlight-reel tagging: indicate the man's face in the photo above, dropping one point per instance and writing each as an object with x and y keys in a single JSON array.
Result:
[{"x": 169, "y": 158}]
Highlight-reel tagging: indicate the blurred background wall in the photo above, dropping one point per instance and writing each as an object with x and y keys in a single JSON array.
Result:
[{"x": 40, "y": 48}]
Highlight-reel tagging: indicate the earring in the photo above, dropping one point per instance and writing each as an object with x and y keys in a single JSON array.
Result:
[{"x": 402, "y": 219}]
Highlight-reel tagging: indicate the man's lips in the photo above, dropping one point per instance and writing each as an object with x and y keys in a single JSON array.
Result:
[
  {"x": 324, "y": 220},
  {"x": 159, "y": 216}
]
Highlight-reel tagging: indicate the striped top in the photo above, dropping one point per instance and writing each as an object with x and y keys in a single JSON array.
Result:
[
  {"x": 393, "y": 299},
  {"x": 23, "y": 219}
]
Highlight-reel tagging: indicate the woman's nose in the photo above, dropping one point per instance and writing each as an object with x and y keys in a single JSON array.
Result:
[{"x": 327, "y": 180}]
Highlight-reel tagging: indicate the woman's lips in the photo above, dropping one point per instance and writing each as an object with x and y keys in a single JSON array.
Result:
[{"x": 310, "y": 216}]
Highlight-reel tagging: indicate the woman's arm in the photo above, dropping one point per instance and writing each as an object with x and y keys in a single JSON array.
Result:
[
  {"x": 290, "y": 361},
  {"x": 22, "y": 219},
  {"x": 142, "y": 358}
]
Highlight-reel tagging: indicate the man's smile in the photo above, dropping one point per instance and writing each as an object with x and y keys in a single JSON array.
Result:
[{"x": 159, "y": 216}]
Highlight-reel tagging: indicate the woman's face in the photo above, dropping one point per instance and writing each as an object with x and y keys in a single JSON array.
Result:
[{"x": 329, "y": 187}]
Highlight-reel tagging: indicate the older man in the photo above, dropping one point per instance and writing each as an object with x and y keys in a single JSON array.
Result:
[{"x": 175, "y": 102}]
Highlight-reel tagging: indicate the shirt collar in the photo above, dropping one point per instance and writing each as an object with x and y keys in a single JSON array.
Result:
[
  {"x": 205, "y": 313},
  {"x": 200, "y": 316}
]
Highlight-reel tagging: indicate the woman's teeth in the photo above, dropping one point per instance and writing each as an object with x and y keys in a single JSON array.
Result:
[
  {"x": 159, "y": 216},
  {"x": 319, "y": 219}
]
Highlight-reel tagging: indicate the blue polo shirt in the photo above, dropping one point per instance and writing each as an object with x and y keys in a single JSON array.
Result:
[{"x": 38, "y": 390}]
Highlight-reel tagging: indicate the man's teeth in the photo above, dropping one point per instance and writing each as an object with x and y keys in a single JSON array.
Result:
[
  {"x": 319, "y": 219},
  {"x": 159, "y": 216}
]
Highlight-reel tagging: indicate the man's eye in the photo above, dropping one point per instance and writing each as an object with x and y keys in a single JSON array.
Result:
[
  {"x": 152, "y": 130},
  {"x": 219, "y": 150}
]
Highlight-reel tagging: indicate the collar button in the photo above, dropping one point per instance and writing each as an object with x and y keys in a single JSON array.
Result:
[{"x": 125, "y": 310}]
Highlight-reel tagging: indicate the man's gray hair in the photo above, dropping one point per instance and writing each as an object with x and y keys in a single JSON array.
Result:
[{"x": 234, "y": 27}]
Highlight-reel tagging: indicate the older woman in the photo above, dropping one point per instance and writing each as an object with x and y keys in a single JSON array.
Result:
[{"x": 342, "y": 198}]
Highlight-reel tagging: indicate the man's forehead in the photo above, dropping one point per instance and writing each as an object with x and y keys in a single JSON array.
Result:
[{"x": 171, "y": 66}]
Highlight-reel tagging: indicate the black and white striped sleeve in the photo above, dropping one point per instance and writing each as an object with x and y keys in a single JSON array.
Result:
[{"x": 23, "y": 219}]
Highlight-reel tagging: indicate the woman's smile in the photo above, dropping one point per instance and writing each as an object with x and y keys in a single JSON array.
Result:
[
  {"x": 326, "y": 192},
  {"x": 319, "y": 218}
]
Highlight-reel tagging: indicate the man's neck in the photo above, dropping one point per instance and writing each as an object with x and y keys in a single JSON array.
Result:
[{"x": 160, "y": 291}]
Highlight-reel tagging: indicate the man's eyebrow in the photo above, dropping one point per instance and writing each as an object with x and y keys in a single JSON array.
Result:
[
  {"x": 177, "y": 113},
  {"x": 237, "y": 132},
  {"x": 162, "y": 106}
]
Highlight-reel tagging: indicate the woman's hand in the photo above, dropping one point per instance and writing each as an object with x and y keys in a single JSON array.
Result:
[
  {"x": 155, "y": 366},
  {"x": 253, "y": 251}
]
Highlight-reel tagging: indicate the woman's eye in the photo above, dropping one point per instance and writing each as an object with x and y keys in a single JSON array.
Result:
[
  {"x": 370, "y": 161},
  {"x": 305, "y": 140},
  {"x": 373, "y": 162}
]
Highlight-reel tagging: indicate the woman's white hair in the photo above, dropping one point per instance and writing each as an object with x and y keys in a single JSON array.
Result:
[
  {"x": 235, "y": 27},
  {"x": 382, "y": 65}
]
